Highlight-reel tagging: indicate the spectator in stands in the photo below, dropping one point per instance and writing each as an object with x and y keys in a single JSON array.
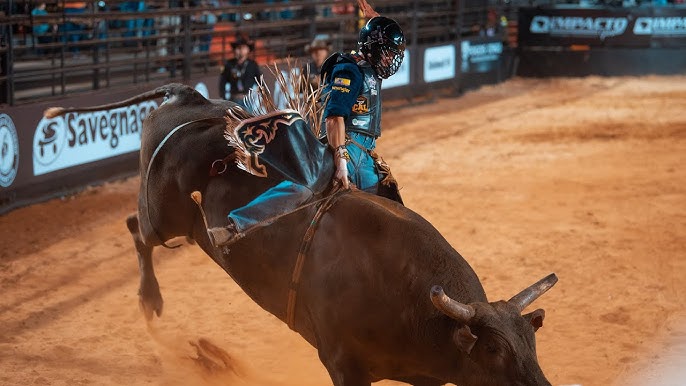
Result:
[
  {"x": 100, "y": 26},
  {"x": 341, "y": 8},
  {"x": 168, "y": 28},
  {"x": 135, "y": 28},
  {"x": 72, "y": 30},
  {"x": 493, "y": 25},
  {"x": 234, "y": 16},
  {"x": 205, "y": 21},
  {"x": 276, "y": 12},
  {"x": 319, "y": 50},
  {"x": 42, "y": 32},
  {"x": 239, "y": 73}
]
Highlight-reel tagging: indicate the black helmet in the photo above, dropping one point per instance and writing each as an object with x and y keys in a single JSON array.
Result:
[{"x": 382, "y": 43}]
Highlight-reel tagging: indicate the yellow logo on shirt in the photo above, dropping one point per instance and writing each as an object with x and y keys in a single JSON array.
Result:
[
  {"x": 361, "y": 105},
  {"x": 342, "y": 81},
  {"x": 341, "y": 89}
]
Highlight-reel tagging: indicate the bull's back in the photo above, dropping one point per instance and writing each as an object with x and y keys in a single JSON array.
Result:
[
  {"x": 383, "y": 256},
  {"x": 185, "y": 107},
  {"x": 367, "y": 283},
  {"x": 395, "y": 238}
]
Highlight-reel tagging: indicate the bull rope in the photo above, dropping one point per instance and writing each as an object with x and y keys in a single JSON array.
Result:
[
  {"x": 147, "y": 175},
  {"x": 302, "y": 252},
  {"x": 325, "y": 204}
]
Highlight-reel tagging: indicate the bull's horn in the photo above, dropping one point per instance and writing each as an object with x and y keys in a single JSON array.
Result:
[
  {"x": 529, "y": 295},
  {"x": 456, "y": 310}
]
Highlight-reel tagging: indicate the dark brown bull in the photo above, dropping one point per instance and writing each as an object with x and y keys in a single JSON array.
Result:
[{"x": 382, "y": 294}]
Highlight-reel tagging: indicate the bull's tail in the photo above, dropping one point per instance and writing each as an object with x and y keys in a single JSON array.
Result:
[{"x": 159, "y": 92}]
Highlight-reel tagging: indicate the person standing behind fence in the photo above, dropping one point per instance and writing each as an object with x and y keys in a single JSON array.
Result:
[
  {"x": 168, "y": 26},
  {"x": 240, "y": 73},
  {"x": 204, "y": 22},
  {"x": 319, "y": 50},
  {"x": 43, "y": 32},
  {"x": 73, "y": 29}
]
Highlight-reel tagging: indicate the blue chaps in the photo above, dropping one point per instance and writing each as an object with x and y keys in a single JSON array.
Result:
[
  {"x": 362, "y": 170},
  {"x": 288, "y": 196}
]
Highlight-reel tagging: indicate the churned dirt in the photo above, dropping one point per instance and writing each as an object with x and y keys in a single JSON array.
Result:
[{"x": 581, "y": 177}]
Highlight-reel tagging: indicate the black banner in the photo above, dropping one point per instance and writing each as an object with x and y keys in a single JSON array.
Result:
[
  {"x": 480, "y": 54},
  {"x": 603, "y": 27}
]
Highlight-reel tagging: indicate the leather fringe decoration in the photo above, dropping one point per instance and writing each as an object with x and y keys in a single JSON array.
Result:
[{"x": 296, "y": 92}]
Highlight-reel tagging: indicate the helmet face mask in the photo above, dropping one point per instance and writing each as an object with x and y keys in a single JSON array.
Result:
[{"x": 382, "y": 44}]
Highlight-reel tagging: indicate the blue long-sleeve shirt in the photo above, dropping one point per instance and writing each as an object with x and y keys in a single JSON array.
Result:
[{"x": 345, "y": 84}]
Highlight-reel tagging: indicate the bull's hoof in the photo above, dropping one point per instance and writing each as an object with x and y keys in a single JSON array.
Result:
[
  {"x": 150, "y": 302},
  {"x": 148, "y": 309}
]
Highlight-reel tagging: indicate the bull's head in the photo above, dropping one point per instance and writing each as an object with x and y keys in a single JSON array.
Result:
[{"x": 498, "y": 341}]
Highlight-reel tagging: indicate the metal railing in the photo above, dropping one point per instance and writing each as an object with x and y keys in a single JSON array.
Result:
[{"x": 108, "y": 44}]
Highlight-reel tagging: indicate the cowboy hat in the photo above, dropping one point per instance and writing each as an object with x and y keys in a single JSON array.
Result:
[
  {"x": 318, "y": 43},
  {"x": 242, "y": 40}
]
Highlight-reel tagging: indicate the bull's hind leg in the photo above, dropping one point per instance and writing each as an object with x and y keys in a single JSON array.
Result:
[
  {"x": 149, "y": 296},
  {"x": 343, "y": 368},
  {"x": 421, "y": 381}
]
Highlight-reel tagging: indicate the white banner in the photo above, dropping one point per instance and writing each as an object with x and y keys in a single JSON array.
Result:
[
  {"x": 439, "y": 63},
  {"x": 79, "y": 138},
  {"x": 9, "y": 151}
]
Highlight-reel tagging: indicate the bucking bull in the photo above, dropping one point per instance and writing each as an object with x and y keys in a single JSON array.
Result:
[{"x": 378, "y": 292}]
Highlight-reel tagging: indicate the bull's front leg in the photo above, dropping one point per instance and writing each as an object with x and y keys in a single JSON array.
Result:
[{"x": 149, "y": 296}]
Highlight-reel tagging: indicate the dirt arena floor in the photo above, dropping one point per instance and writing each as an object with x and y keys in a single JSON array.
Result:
[{"x": 582, "y": 177}]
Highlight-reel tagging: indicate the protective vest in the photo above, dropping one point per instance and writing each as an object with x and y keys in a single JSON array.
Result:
[{"x": 365, "y": 116}]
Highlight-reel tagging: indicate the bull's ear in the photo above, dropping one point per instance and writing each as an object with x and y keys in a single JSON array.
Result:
[
  {"x": 464, "y": 339},
  {"x": 535, "y": 318}
]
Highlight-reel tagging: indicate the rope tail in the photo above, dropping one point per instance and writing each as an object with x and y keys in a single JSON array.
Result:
[
  {"x": 159, "y": 92},
  {"x": 197, "y": 198}
]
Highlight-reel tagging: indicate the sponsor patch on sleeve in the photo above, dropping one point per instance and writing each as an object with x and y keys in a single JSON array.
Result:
[
  {"x": 341, "y": 81},
  {"x": 341, "y": 89}
]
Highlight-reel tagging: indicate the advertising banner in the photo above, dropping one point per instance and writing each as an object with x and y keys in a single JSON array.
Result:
[
  {"x": 480, "y": 55},
  {"x": 439, "y": 63},
  {"x": 602, "y": 26},
  {"x": 9, "y": 151},
  {"x": 76, "y": 139}
]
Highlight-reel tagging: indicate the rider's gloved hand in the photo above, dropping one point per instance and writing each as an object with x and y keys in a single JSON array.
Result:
[{"x": 342, "y": 158}]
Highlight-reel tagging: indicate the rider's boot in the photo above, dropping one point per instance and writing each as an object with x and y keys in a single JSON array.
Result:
[{"x": 221, "y": 236}]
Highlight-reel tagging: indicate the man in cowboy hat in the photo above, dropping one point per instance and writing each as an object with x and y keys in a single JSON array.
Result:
[
  {"x": 319, "y": 50},
  {"x": 240, "y": 72}
]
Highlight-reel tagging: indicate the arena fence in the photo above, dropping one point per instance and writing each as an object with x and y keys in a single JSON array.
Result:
[{"x": 112, "y": 52}]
